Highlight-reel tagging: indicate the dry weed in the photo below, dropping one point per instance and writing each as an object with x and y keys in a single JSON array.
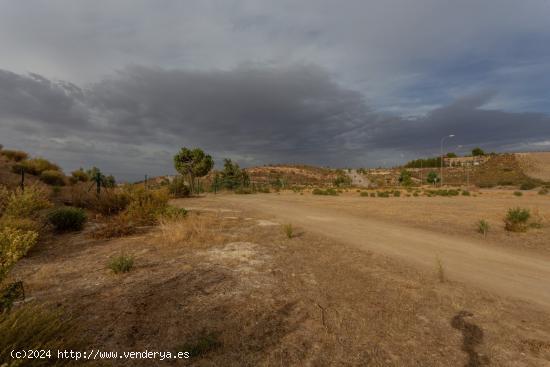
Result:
[{"x": 193, "y": 229}]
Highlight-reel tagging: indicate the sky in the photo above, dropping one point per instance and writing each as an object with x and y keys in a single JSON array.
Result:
[{"x": 122, "y": 85}]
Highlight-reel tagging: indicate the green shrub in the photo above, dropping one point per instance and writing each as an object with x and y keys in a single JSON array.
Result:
[
  {"x": 518, "y": 193},
  {"x": 173, "y": 213},
  {"x": 55, "y": 178},
  {"x": 465, "y": 193},
  {"x": 364, "y": 193},
  {"x": 383, "y": 194},
  {"x": 543, "y": 191},
  {"x": 483, "y": 227},
  {"x": 397, "y": 193},
  {"x": 14, "y": 244},
  {"x": 121, "y": 264},
  {"x": 329, "y": 191},
  {"x": 27, "y": 203},
  {"x": 14, "y": 155},
  {"x": 67, "y": 219},
  {"x": 516, "y": 219},
  {"x": 178, "y": 188},
  {"x": 529, "y": 185}
]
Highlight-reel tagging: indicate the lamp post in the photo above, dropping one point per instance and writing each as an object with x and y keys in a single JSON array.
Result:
[{"x": 441, "y": 174}]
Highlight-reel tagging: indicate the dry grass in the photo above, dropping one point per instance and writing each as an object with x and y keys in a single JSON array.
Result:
[
  {"x": 195, "y": 228},
  {"x": 37, "y": 328},
  {"x": 114, "y": 227}
]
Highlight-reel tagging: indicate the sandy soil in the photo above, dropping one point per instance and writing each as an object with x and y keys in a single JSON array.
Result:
[
  {"x": 228, "y": 279},
  {"x": 511, "y": 271}
]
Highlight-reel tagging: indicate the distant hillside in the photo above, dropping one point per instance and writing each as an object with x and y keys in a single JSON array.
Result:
[
  {"x": 292, "y": 175},
  {"x": 535, "y": 164}
]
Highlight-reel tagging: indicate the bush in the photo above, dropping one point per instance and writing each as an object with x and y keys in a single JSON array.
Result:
[
  {"x": 121, "y": 264},
  {"x": 23, "y": 224},
  {"x": 483, "y": 227},
  {"x": 543, "y": 191},
  {"x": 51, "y": 177},
  {"x": 364, "y": 193},
  {"x": 79, "y": 176},
  {"x": 516, "y": 219},
  {"x": 14, "y": 244},
  {"x": 330, "y": 192},
  {"x": 529, "y": 185},
  {"x": 518, "y": 193},
  {"x": 67, "y": 219},
  {"x": 178, "y": 189},
  {"x": 109, "y": 202},
  {"x": 173, "y": 213},
  {"x": 14, "y": 155},
  {"x": 383, "y": 194},
  {"x": 27, "y": 203},
  {"x": 146, "y": 206},
  {"x": 372, "y": 194},
  {"x": 36, "y": 166},
  {"x": 397, "y": 193},
  {"x": 465, "y": 193}
]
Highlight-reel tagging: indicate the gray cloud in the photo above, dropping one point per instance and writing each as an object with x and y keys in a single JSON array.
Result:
[{"x": 131, "y": 122}]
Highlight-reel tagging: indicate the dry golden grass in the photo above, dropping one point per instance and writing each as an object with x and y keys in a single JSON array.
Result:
[
  {"x": 195, "y": 228},
  {"x": 33, "y": 327},
  {"x": 113, "y": 227}
]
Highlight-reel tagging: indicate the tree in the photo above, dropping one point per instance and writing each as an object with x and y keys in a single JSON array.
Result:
[
  {"x": 477, "y": 152},
  {"x": 233, "y": 176},
  {"x": 432, "y": 178},
  {"x": 193, "y": 163},
  {"x": 451, "y": 155},
  {"x": 405, "y": 178}
]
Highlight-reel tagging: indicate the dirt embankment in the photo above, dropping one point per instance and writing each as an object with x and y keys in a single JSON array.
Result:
[{"x": 535, "y": 164}]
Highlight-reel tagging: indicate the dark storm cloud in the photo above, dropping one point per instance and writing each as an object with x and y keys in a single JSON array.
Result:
[
  {"x": 256, "y": 114},
  {"x": 469, "y": 122}
]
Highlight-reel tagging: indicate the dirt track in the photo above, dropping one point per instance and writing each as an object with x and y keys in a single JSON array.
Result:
[{"x": 508, "y": 272}]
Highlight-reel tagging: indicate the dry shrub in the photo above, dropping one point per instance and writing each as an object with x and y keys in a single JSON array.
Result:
[
  {"x": 14, "y": 155},
  {"x": 14, "y": 244},
  {"x": 32, "y": 327},
  {"x": 27, "y": 203},
  {"x": 114, "y": 227},
  {"x": 109, "y": 202},
  {"x": 51, "y": 177},
  {"x": 193, "y": 229},
  {"x": 146, "y": 205}
]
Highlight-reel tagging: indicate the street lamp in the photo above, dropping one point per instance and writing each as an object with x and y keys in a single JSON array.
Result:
[{"x": 441, "y": 174}]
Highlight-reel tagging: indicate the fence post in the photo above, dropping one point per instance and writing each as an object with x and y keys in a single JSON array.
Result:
[
  {"x": 145, "y": 182},
  {"x": 22, "y": 179}
]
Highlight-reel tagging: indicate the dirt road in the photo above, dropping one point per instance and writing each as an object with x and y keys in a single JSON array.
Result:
[{"x": 518, "y": 274}]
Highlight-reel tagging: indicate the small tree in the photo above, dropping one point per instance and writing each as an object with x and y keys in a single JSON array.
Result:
[
  {"x": 477, "y": 152},
  {"x": 405, "y": 178},
  {"x": 193, "y": 163},
  {"x": 233, "y": 176},
  {"x": 432, "y": 178},
  {"x": 451, "y": 155}
]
